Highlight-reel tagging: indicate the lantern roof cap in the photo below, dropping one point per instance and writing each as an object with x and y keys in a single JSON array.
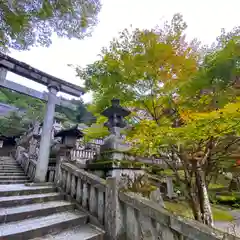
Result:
[
  {"x": 116, "y": 108},
  {"x": 70, "y": 132}
]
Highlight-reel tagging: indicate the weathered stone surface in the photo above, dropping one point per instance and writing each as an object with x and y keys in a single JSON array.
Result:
[
  {"x": 34, "y": 93},
  {"x": 36, "y": 75},
  {"x": 27, "y": 199},
  {"x": 37, "y": 227},
  {"x": 170, "y": 190},
  {"x": 27, "y": 212},
  {"x": 85, "y": 176},
  {"x": 3, "y": 74},
  {"x": 156, "y": 196},
  {"x": 22, "y": 189},
  {"x": 85, "y": 232},
  {"x": 11, "y": 172},
  {"x": 167, "y": 226},
  {"x": 114, "y": 212},
  {"x": 45, "y": 143},
  {"x": 33, "y": 210}
]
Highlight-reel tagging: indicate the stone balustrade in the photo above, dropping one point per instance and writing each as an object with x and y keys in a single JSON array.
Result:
[
  {"x": 78, "y": 154},
  {"x": 29, "y": 165},
  {"x": 125, "y": 215},
  {"x": 85, "y": 188},
  {"x": 145, "y": 219}
]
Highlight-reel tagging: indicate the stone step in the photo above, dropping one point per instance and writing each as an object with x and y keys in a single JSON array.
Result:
[
  {"x": 7, "y": 162},
  {"x": 18, "y": 213},
  {"x": 12, "y": 174},
  {"x": 22, "y": 189},
  {"x": 9, "y": 166},
  {"x": 84, "y": 232},
  {"x": 37, "y": 227},
  {"x": 11, "y": 201},
  {"x": 12, "y": 177},
  {"x": 13, "y": 181},
  {"x": 11, "y": 170}
]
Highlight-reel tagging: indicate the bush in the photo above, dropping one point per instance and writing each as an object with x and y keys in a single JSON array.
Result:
[
  {"x": 226, "y": 199},
  {"x": 236, "y": 205},
  {"x": 230, "y": 199}
]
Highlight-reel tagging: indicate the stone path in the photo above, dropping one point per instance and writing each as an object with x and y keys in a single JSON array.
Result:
[{"x": 231, "y": 227}]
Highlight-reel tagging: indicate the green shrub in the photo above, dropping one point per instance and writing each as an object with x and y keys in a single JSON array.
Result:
[
  {"x": 236, "y": 205},
  {"x": 230, "y": 199},
  {"x": 221, "y": 198}
]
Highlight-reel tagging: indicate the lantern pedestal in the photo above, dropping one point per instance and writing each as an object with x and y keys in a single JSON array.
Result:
[{"x": 114, "y": 142}]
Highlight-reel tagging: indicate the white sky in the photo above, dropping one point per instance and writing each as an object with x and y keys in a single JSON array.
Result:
[{"x": 205, "y": 19}]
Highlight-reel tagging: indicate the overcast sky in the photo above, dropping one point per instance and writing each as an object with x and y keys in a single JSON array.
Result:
[{"x": 205, "y": 19}]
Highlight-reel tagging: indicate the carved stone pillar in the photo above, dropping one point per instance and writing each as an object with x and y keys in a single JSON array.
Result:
[
  {"x": 63, "y": 155},
  {"x": 3, "y": 74}
]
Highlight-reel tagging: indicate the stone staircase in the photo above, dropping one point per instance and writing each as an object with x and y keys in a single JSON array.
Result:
[
  {"x": 11, "y": 172},
  {"x": 31, "y": 211}
]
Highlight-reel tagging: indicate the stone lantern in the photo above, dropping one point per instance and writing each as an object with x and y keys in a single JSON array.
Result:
[
  {"x": 114, "y": 147},
  {"x": 63, "y": 150},
  {"x": 115, "y": 115},
  {"x": 115, "y": 123},
  {"x": 69, "y": 136}
]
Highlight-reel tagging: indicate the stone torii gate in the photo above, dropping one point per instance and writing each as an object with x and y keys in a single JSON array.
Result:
[{"x": 54, "y": 86}]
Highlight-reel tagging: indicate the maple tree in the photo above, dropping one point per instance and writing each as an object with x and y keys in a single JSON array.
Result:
[
  {"x": 24, "y": 24},
  {"x": 184, "y": 103}
]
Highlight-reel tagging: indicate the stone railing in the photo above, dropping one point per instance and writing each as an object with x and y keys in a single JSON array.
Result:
[
  {"x": 145, "y": 219},
  {"x": 78, "y": 154},
  {"x": 86, "y": 189},
  {"x": 126, "y": 215},
  {"x": 29, "y": 165},
  {"x": 97, "y": 141}
]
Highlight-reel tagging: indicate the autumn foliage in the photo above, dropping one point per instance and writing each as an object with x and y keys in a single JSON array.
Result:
[{"x": 183, "y": 97}]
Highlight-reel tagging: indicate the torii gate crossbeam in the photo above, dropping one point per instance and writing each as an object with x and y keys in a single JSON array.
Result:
[{"x": 34, "y": 93}]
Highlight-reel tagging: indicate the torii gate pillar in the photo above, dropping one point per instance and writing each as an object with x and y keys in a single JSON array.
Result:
[{"x": 45, "y": 143}]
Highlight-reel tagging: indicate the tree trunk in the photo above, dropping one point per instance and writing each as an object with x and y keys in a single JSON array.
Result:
[
  {"x": 193, "y": 200},
  {"x": 205, "y": 207},
  {"x": 195, "y": 207}
]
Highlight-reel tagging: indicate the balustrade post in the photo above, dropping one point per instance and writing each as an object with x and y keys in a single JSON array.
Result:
[
  {"x": 114, "y": 211},
  {"x": 63, "y": 155},
  {"x": 34, "y": 141},
  {"x": 3, "y": 74}
]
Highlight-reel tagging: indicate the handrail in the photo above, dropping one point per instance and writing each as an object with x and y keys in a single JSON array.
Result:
[
  {"x": 158, "y": 221},
  {"x": 85, "y": 188}
]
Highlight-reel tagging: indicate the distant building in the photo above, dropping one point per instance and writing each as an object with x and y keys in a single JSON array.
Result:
[{"x": 6, "y": 109}]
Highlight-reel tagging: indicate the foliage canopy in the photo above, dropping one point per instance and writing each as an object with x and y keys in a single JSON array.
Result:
[{"x": 26, "y": 23}]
